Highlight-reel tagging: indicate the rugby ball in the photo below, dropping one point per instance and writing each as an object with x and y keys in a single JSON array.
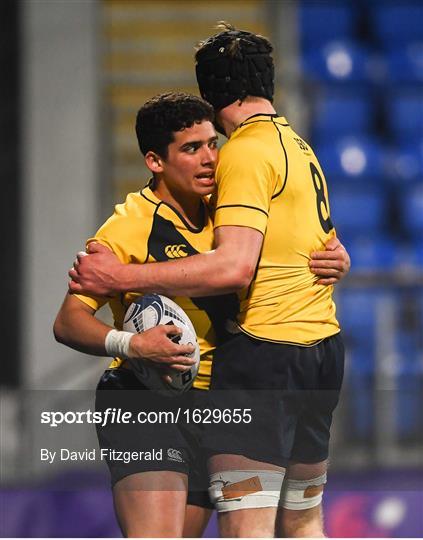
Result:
[{"x": 152, "y": 310}]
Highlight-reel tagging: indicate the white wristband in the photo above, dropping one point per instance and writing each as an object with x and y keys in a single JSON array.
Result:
[{"x": 117, "y": 343}]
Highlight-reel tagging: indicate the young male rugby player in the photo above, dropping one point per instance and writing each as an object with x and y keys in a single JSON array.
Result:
[
  {"x": 168, "y": 218},
  {"x": 272, "y": 211}
]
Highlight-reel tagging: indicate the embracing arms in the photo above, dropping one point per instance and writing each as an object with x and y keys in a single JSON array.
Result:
[{"x": 227, "y": 268}]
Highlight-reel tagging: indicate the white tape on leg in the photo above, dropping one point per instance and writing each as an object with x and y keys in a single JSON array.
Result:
[
  {"x": 238, "y": 490},
  {"x": 303, "y": 494}
]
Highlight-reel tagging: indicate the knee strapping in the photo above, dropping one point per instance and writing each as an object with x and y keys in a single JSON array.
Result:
[
  {"x": 238, "y": 490},
  {"x": 303, "y": 494}
]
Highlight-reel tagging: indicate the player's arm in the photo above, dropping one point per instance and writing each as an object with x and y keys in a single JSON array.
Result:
[
  {"x": 229, "y": 267},
  {"x": 77, "y": 327}
]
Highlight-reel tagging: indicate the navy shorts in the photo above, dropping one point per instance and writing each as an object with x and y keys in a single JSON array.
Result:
[
  {"x": 162, "y": 445},
  {"x": 284, "y": 395}
]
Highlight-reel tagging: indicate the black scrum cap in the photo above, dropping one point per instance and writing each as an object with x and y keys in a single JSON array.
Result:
[{"x": 232, "y": 65}]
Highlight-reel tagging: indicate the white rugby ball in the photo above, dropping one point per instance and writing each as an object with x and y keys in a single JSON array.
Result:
[{"x": 152, "y": 310}]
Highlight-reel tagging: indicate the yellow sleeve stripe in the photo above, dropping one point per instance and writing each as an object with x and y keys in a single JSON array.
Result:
[
  {"x": 94, "y": 303},
  {"x": 244, "y": 216}
]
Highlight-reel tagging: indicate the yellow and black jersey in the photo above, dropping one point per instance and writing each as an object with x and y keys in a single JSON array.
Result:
[
  {"x": 269, "y": 179},
  {"x": 144, "y": 229}
]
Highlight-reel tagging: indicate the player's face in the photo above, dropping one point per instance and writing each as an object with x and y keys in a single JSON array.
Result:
[{"x": 191, "y": 160}]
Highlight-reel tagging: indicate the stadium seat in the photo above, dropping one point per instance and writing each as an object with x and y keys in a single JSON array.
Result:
[
  {"x": 339, "y": 114},
  {"x": 340, "y": 63},
  {"x": 397, "y": 23},
  {"x": 405, "y": 163},
  {"x": 372, "y": 253},
  {"x": 357, "y": 209},
  {"x": 353, "y": 159},
  {"x": 411, "y": 208},
  {"x": 409, "y": 258},
  {"x": 320, "y": 22},
  {"x": 409, "y": 386},
  {"x": 409, "y": 401},
  {"x": 419, "y": 302},
  {"x": 403, "y": 369},
  {"x": 404, "y": 115},
  {"x": 357, "y": 91},
  {"x": 360, "y": 394},
  {"x": 405, "y": 64},
  {"x": 356, "y": 312}
]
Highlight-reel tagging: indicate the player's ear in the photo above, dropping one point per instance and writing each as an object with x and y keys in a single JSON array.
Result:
[{"x": 154, "y": 162}]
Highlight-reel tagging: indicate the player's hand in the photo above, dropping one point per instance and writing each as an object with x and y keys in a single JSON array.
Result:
[
  {"x": 95, "y": 272},
  {"x": 156, "y": 345},
  {"x": 332, "y": 264}
]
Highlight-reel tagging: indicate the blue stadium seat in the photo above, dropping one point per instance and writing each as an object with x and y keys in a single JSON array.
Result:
[
  {"x": 360, "y": 394},
  {"x": 409, "y": 258},
  {"x": 338, "y": 114},
  {"x": 405, "y": 163},
  {"x": 419, "y": 302},
  {"x": 320, "y": 22},
  {"x": 356, "y": 312},
  {"x": 341, "y": 62},
  {"x": 397, "y": 23},
  {"x": 404, "y": 115},
  {"x": 409, "y": 386},
  {"x": 409, "y": 400},
  {"x": 411, "y": 207},
  {"x": 372, "y": 253},
  {"x": 358, "y": 209},
  {"x": 353, "y": 159},
  {"x": 406, "y": 374},
  {"x": 405, "y": 64}
]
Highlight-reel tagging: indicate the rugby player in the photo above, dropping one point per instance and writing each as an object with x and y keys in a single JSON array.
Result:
[
  {"x": 262, "y": 194},
  {"x": 176, "y": 136}
]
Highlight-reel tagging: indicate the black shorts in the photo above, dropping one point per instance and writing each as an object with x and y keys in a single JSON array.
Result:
[
  {"x": 288, "y": 391},
  {"x": 151, "y": 440}
]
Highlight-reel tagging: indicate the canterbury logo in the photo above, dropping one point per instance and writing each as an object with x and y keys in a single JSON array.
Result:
[
  {"x": 174, "y": 455},
  {"x": 175, "y": 251}
]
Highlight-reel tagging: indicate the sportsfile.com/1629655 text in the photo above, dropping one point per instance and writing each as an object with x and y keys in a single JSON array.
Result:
[{"x": 114, "y": 415}]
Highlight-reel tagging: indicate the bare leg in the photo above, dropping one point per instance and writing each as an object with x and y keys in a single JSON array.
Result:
[
  {"x": 251, "y": 523},
  {"x": 196, "y": 520},
  {"x": 245, "y": 523},
  {"x": 302, "y": 523},
  {"x": 151, "y": 504}
]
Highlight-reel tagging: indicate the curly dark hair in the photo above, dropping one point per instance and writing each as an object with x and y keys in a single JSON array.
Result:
[{"x": 161, "y": 116}]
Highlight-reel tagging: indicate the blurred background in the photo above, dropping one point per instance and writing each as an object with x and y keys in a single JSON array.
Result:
[{"x": 350, "y": 81}]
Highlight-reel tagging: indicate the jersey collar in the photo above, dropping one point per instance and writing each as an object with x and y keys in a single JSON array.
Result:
[
  {"x": 148, "y": 194},
  {"x": 261, "y": 117}
]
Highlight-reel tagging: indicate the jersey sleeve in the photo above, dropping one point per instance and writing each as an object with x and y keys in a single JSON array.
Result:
[
  {"x": 95, "y": 302},
  {"x": 245, "y": 184},
  {"x": 125, "y": 236}
]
